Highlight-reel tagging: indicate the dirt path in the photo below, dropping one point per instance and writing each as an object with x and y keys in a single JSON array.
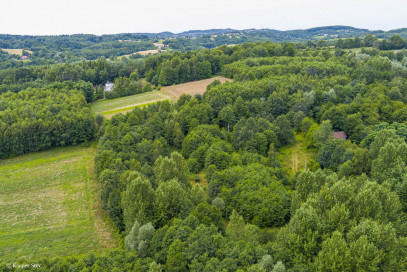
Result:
[{"x": 107, "y": 236}]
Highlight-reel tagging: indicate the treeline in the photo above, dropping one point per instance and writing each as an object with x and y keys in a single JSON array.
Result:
[
  {"x": 70, "y": 48},
  {"x": 96, "y": 72},
  {"x": 43, "y": 56},
  {"x": 393, "y": 43},
  {"x": 41, "y": 119},
  {"x": 163, "y": 69},
  {"x": 167, "y": 69},
  {"x": 124, "y": 86},
  {"x": 76, "y": 41}
]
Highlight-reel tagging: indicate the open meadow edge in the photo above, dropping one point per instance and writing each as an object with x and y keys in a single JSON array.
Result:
[{"x": 60, "y": 208}]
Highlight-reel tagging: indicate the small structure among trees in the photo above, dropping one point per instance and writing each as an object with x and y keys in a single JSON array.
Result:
[
  {"x": 340, "y": 135},
  {"x": 109, "y": 86}
]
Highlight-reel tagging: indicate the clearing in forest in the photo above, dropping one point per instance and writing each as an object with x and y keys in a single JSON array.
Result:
[
  {"x": 16, "y": 51},
  {"x": 50, "y": 206},
  {"x": 148, "y": 52},
  {"x": 192, "y": 88},
  {"x": 143, "y": 53},
  {"x": 294, "y": 157},
  {"x": 110, "y": 107}
]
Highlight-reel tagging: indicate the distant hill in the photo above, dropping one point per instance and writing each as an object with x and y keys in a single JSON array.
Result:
[
  {"x": 296, "y": 35},
  {"x": 77, "y": 47}
]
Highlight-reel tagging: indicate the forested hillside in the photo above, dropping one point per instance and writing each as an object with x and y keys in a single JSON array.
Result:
[
  {"x": 46, "y": 50},
  {"x": 70, "y": 48},
  {"x": 232, "y": 135},
  {"x": 201, "y": 184}
]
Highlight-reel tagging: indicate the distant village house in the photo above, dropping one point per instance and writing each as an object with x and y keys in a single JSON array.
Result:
[{"x": 340, "y": 135}]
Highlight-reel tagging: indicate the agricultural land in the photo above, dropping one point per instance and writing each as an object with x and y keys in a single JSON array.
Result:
[{"x": 50, "y": 205}]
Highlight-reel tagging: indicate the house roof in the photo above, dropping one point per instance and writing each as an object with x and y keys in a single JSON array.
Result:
[{"x": 340, "y": 135}]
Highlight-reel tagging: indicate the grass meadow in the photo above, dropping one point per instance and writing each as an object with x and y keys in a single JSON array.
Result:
[
  {"x": 50, "y": 206},
  {"x": 123, "y": 104}
]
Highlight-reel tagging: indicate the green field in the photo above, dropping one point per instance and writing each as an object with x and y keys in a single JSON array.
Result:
[
  {"x": 121, "y": 110},
  {"x": 107, "y": 106},
  {"x": 50, "y": 206}
]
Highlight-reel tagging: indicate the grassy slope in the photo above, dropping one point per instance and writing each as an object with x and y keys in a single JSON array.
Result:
[
  {"x": 49, "y": 205},
  {"x": 125, "y": 103}
]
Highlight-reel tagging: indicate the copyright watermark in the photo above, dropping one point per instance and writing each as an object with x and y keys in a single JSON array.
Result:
[{"x": 22, "y": 266}]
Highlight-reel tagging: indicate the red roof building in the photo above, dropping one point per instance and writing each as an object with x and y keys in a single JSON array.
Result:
[{"x": 340, "y": 135}]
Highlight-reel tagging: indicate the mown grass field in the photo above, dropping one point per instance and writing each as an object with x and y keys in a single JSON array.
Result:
[
  {"x": 123, "y": 104},
  {"x": 110, "y": 114},
  {"x": 50, "y": 206}
]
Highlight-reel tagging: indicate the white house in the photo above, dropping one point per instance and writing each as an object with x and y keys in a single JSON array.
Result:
[{"x": 109, "y": 86}]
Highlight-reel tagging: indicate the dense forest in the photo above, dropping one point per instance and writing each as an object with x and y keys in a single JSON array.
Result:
[
  {"x": 40, "y": 119},
  {"x": 199, "y": 184},
  {"x": 232, "y": 133}
]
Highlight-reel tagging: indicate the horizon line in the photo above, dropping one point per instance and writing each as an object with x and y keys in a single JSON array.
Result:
[{"x": 191, "y": 30}]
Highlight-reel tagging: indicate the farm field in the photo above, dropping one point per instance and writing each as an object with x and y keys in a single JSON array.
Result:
[
  {"x": 50, "y": 206},
  {"x": 192, "y": 88},
  {"x": 124, "y": 104},
  {"x": 143, "y": 53},
  {"x": 16, "y": 51},
  {"x": 147, "y": 52},
  {"x": 110, "y": 107}
]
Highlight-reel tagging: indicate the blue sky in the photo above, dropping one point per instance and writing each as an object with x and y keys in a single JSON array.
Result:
[{"x": 51, "y": 17}]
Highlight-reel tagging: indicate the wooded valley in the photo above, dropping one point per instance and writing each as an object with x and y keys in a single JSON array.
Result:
[{"x": 297, "y": 164}]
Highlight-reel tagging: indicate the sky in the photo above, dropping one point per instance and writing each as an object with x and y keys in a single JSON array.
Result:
[{"x": 54, "y": 17}]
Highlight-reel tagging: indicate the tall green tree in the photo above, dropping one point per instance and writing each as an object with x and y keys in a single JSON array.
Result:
[{"x": 138, "y": 200}]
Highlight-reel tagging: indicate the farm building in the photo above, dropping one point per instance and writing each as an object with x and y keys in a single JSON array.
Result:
[{"x": 340, "y": 135}]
